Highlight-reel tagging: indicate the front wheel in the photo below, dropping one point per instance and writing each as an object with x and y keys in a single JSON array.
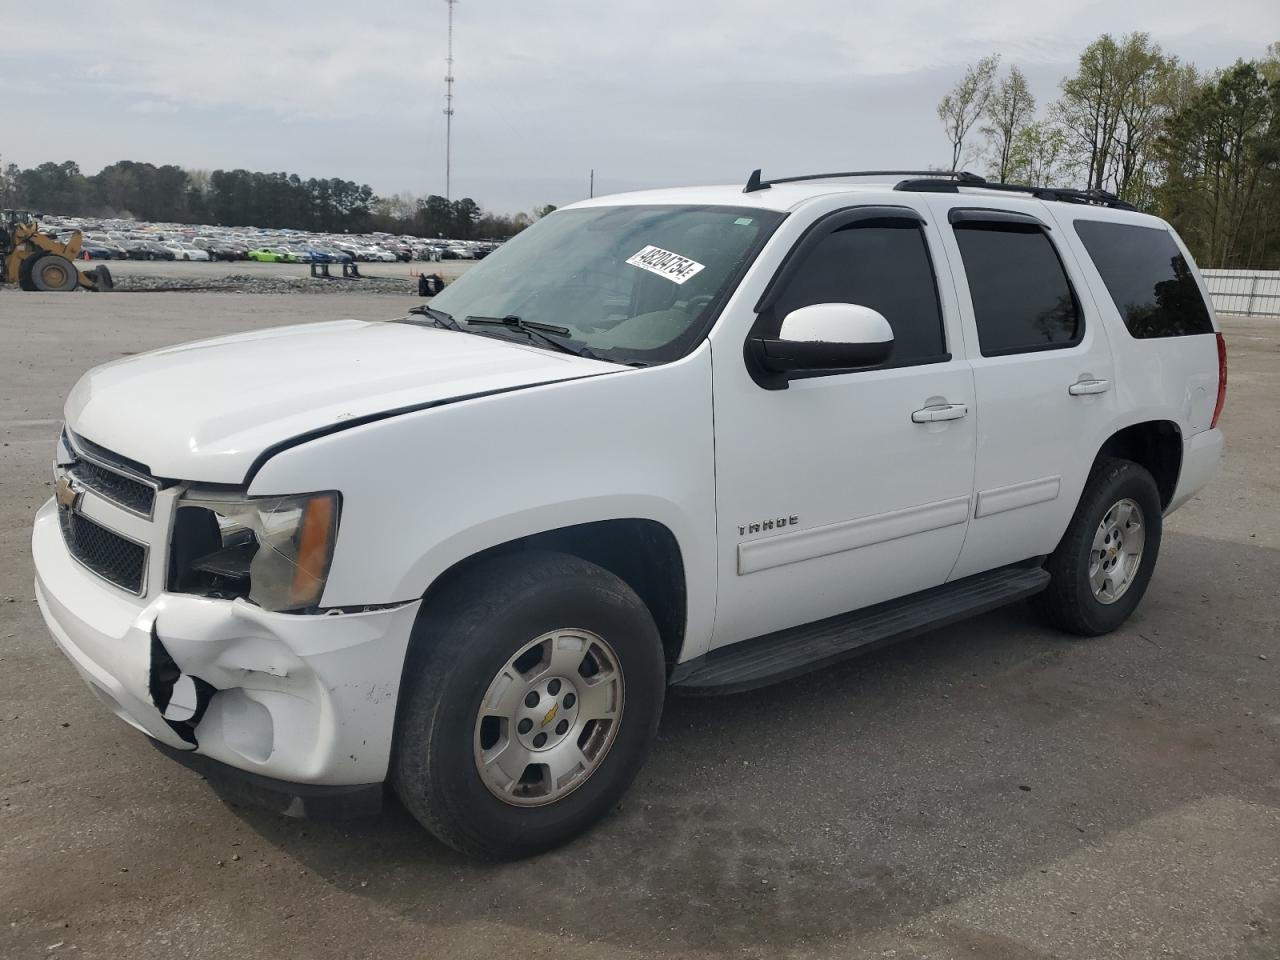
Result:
[
  {"x": 52, "y": 272},
  {"x": 1101, "y": 569},
  {"x": 530, "y": 700}
]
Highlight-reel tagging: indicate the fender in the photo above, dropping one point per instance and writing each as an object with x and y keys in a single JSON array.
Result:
[{"x": 428, "y": 488}]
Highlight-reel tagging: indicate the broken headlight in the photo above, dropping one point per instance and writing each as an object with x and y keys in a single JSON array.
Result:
[{"x": 274, "y": 551}]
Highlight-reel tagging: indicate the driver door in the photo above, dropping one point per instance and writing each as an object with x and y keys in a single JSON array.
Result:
[{"x": 830, "y": 497}]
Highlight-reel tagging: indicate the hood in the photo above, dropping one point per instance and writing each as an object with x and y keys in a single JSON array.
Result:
[{"x": 205, "y": 410}]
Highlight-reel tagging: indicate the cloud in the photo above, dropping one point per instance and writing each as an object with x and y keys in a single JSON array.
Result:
[
  {"x": 152, "y": 107},
  {"x": 645, "y": 93}
]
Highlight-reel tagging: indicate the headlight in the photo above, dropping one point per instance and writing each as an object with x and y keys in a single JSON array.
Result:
[{"x": 275, "y": 551}]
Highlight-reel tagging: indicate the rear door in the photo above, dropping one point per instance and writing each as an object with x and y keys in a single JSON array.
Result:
[{"x": 1044, "y": 377}]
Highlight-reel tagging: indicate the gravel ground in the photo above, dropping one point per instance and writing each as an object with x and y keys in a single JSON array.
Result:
[
  {"x": 989, "y": 791},
  {"x": 248, "y": 283},
  {"x": 134, "y": 276}
]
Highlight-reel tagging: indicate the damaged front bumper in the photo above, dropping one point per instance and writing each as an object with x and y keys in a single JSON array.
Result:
[{"x": 290, "y": 701}]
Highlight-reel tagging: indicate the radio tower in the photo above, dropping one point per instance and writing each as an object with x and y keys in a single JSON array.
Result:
[{"x": 448, "y": 107}]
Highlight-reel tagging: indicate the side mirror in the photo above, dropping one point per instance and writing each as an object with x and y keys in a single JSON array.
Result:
[{"x": 827, "y": 336}]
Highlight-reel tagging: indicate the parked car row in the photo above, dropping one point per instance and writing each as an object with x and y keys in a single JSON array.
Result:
[{"x": 115, "y": 239}]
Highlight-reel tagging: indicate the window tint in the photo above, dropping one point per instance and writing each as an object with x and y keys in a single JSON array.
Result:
[
  {"x": 1022, "y": 299},
  {"x": 881, "y": 264},
  {"x": 1147, "y": 277}
]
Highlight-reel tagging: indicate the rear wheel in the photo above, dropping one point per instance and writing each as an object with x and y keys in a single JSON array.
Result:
[
  {"x": 53, "y": 273},
  {"x": 529, "y": 703},
  {"x": 1101, "y": 569}
]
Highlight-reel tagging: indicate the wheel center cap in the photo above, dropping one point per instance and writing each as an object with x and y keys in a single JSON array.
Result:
[{"x": 548, "y": 713}]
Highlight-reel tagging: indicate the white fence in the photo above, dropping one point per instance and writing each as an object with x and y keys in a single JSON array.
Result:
[{"x": 1254, "y": 293}]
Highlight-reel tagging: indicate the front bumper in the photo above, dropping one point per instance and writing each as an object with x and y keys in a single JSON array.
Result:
[
  {"x": 314, "y": 801},
  {"x": 307, "y": 700}
]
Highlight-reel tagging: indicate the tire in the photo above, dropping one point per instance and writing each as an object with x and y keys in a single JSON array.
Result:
[
  {"x": 465, "y": 648},
  {"x": 1099, "y": 545},
  {"x": 53, "y": 273}
]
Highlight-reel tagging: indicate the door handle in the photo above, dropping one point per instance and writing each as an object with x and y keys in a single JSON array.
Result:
[
  {"x": 1085, "y": 387},
  {"x": 940, "y": 411}
]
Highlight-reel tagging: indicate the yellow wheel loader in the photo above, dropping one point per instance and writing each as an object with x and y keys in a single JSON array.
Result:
[{"x": 36, "y": 261}]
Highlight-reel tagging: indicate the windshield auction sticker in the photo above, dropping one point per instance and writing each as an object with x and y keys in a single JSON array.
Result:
[{"x": 664, "y": 263}]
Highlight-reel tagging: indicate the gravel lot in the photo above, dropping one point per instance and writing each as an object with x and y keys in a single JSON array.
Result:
[
  {"x": 991, "y": 791},
  {"x": 249, "y": 276}
]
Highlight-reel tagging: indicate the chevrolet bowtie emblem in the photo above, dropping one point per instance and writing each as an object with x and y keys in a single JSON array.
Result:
[
  {"x": 551, "y": 714},
  {"x": 66, "y": 493}
]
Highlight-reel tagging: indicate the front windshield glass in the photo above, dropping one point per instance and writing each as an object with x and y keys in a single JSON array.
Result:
[{"x": 631, "y": 283}]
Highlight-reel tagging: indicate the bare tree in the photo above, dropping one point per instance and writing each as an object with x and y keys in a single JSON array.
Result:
[
  {"x": 1087, "y": 111},
  {"x": 1145, "y": 78},
  {"x": 1038, "y": 155},
  {"x": 1010, "y": 109},
  {"x": 1112, "y": 110},
  {"x": 960, "y": 109}
]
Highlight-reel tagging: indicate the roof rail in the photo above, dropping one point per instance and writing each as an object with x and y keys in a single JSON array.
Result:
[
  {"x": 1100, "y": 198},
  {"x": 754, "y": 182}
]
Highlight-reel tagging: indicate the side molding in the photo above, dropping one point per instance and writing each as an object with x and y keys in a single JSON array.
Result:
[
  {"x": 1000, "y": 499},
  {"x": 757, "y": 555}
]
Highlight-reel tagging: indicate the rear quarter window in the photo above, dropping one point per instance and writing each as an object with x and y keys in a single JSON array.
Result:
[{"x": 1148, "y": 278}]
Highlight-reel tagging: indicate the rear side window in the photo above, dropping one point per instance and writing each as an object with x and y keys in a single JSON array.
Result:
[
  {"x": 1148, "y": 278},
  {"x": 884, "y": 265},
  {"x": 1022, "y": 299}
]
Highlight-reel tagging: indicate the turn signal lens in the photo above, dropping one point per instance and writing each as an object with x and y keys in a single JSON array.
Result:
[{"x": 315, "y": 550}]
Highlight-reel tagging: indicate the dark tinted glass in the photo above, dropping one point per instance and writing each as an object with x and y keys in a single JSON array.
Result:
[
  {"x": 1022, "y": 299},
  {"x": 1147, "y": 277},
  {"x": 879, "y": 264}
]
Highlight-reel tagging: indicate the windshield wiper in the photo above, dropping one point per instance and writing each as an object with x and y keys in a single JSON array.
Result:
[
  {"x": 438, "y": 318},
  {"x": 540, "y": 331}
]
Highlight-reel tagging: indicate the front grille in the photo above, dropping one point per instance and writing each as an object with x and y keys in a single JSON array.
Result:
[
  {"x": 107, "y": 554},
  {"x": 126, "y": 491}
]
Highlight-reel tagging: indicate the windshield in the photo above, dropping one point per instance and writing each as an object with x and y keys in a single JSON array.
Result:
[{"x": 630, "y": 283}]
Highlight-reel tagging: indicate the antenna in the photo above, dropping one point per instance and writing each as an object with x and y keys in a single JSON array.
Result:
[{"x": 448, "y": 106}]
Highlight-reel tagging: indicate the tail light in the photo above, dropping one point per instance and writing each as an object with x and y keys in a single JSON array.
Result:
[{"x": 1222, "y": 382}]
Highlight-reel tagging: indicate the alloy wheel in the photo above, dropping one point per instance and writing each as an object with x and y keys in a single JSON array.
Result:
[
  {"x": 1116, "y": 554},
  {"x": 549, "y": 717}
]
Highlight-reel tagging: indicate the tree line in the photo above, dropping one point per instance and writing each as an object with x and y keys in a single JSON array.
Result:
[
  {"x": 243, "y": 198},
  {"x": 1201, "y": 150}
]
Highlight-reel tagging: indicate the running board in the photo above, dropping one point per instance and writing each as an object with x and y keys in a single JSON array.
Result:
[{"x": 789, "y": 653}]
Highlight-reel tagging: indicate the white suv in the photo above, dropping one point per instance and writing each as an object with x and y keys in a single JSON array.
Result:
[{"x": 702, "y": 438}]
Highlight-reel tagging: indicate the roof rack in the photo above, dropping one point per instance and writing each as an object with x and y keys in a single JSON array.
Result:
[
  {"x": 950, "y": 181},
  {"x": 754, "y": 182},
  {"x": 1100, "y": 198}
]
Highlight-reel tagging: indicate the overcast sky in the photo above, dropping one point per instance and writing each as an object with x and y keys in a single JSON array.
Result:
[{"x": 648, "y": 93}]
